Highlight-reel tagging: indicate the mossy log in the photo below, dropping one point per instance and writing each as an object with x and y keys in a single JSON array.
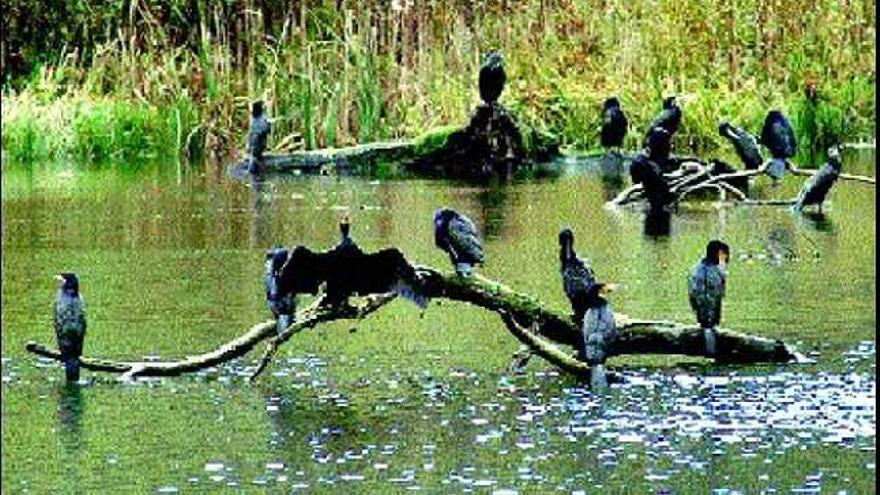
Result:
[
  {"x": 527, "y": 318},
  {"x": 493, "y": 143}
]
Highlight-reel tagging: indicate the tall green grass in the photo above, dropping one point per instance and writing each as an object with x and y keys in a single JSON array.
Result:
[{"x": 178, "y": 77}]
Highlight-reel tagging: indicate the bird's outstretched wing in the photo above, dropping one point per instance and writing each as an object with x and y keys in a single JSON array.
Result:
[
  {"x": 303, "y": 272},
  {"x": 465, "y": 240}
]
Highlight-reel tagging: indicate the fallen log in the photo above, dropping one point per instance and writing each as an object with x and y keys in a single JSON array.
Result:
[
  {"x": 493, "y": 143},
  {"x": 527, "y": 318}
]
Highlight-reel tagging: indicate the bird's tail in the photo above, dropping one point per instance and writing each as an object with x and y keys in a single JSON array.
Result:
[
  {"x": 282, "y": 323},
  {"x": 71, "y": 369},
  {"x": 709, "y": 336},
  {"x": 411, "y": 292},
  {"x": 464, "y": 269}
]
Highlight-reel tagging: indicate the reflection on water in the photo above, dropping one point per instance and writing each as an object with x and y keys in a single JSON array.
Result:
[
  {"x": 70, "y": 413},
  {"x": 170, "y": 269},
  {"x": 658, "y": 223}
]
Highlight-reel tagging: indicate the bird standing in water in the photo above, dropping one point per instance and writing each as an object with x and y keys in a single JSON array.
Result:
[
  {"x": 598, "y": 332},
  {"x": 577, "y": 277},
  {"x": 614, "y": 124},
  {"x": 745, "y": 144},
  {"x": 492, "y": 77},
  {"x": 706, "y": 290},
  {"x": 645, "y": 171},
  {"x": 778, "y": 136},
  {"x": 281, "y": 306},
  {"x": 457, "y": 235},
  {"x": 816, "y": 187},
  {"x": 258, "y": 136},
  {"x": 70, "y": 323}
]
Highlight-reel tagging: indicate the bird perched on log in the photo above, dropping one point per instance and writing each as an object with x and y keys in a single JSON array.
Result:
[
  {"x": 706, "y": 290},
  {"x": 745, "y": 144},
  {"x": 669, "y": 118},
  {"x": 348, "y": 271},
  {"x": 258, "y": 136},
  {"x": 577, "y": 277},
  {"x": 614, "y": 124},
  {"x": 645, "y": 171},
  {"x": 816, "y": 187},
  {"x": 492, "y": 77},
  {"x": 70, "y": 323},
  {"x": 282, "y": 307},
  {"x": 778, "y": 136},
  {"x": 598, "y": 332},
  {"x": 457, "y": 235}
]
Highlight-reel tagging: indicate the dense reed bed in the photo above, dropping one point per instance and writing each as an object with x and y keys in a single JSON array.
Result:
[{"x": 129, "y": 79}]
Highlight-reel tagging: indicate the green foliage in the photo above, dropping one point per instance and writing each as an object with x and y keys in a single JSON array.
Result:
[
  {"x": 433, "y": 139},
  {"x": 338, "y": 73}
]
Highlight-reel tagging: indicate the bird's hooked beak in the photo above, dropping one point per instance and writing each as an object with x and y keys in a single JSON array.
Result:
[{"x": 59, "y": 279}]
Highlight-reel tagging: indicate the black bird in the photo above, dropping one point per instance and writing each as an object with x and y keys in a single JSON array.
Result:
[
  {"x": 457, "y": 235},
  {"x": 577, "y": 277},
  {"x": 658, "y": 144},
  {"x": 669, "y": 118},
  {"x": 70, "y": 324},
  {"x": 492, "y": 77},
  {"x": 778, "y": 136},
  {"x": 303, "y": 272},
  {"x": 350, "y": 271},
  {"x": 614, "y": 124},
  {"x": 745, "y": 144},
  {"x": 706, "y": 290},
  {"x": 282, "y": 307},
  {"x": 645, "y": 171},
  {"x": 258, "y": 135},
  {"x": 598, "y": 332},
  {"x": 816, "y": 187}
]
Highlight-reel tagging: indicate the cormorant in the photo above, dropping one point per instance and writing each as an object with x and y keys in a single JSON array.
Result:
[
  {"x": 492, "y": 77},
  {"x": 70, "y": 323},
  {"x": 645, "y": 171},
  {"x": 282, "y": 307},
  {"x": 816, "y": 187},
  {"x": 778, "y": 136},
  {"x": 457, "y": 235},
  {"x": 350, "y": 271},
  {"x": 658, "y": 143},
  {"x": 577, "y": 277},
  {"x": 614, "y": 124},
  {"x": 669, "y": 117},
  {"x": 258, "y": 135},
  {"x": 598, "y": 332},
  {"x": 706, "y": 290},
  {"x": 745, "y": 144}
]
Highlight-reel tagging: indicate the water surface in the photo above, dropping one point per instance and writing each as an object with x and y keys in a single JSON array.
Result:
[{"x": 170, "y": 261}]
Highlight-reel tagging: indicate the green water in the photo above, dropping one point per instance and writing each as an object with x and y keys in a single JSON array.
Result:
[{"x": 170, "y": 264}]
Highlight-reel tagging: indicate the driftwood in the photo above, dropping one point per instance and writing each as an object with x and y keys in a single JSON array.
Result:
[
  {"x": 696, "y": 177},
  {"x": 528, "y": 319},
  {"x": 492, "y": 144}
]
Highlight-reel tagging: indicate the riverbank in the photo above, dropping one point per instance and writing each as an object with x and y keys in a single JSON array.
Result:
[{"x": 359, "y": 73}]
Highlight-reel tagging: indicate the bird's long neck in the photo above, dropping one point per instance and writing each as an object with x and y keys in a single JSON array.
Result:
[{"x": 566, "y": 251}]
